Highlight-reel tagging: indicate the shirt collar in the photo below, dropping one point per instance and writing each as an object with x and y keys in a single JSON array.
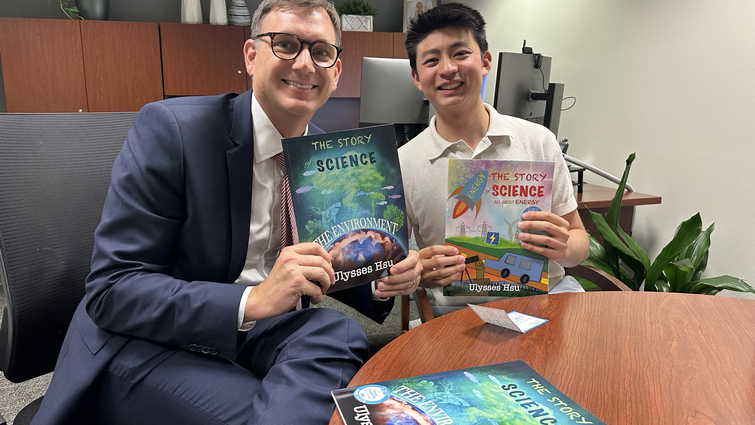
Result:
[
  {"x": 267, "y": 139},
  {"x": 496, "y": 128}
]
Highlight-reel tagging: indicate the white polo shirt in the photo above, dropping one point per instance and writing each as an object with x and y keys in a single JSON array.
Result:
[{"x": 424, "y": 168}]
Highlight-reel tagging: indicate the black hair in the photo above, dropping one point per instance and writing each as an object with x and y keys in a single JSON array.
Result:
[{"x": 443, "y": 16}]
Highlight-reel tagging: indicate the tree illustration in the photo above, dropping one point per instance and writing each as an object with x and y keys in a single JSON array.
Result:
[
  {"x": 394, "y": 214},
  {"x": 351, "y": 181},
  {"x": 315, "y": 228}
]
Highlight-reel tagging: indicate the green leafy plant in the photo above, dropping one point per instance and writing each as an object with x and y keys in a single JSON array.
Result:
[
  {"x": 356, "y": 7},
  {"x": 394, "y": 214},
  {"x": 68, "y": 7},
  {"x": 677, "y": 268}
]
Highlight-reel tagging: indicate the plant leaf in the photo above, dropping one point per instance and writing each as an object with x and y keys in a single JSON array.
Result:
[
  {"x": 719, "y": 283},
  {"x": 698, "y": 252},
  {"x": 597, "y": 259},
  {"x": 597, "y": 256},
  {"x": 686, "y": 233},
  {"x": 678, "y": 272},
  {"x": 612, "y": 218},
  {"x": 698, "y": 274},
  {"x": 641, "y": 254},
  {"x": 628, "y": 280},
  {"x": 638, "y": 270},
  {"x": 611, "y": 253},
  {"x": 612, "y": 215},
  {"x": 621, "y": 250},
  {"x": 639, "y": 265},
  {"x": 610, "y": 256},
  {"x": 609, "y": 236},
  {"x": 661, "y": 285},
  {"x": 685, "y": 265},
  {"x": 596, "y": 249}
]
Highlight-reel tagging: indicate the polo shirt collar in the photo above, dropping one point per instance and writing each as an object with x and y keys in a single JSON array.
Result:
[{"x": 496, "y": 128}]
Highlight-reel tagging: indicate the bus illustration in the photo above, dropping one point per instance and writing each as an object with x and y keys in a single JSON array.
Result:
[{"x": 518, "y": 266}]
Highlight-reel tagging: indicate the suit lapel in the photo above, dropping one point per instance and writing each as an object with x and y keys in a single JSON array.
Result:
[{"x": 240, "y": 162}]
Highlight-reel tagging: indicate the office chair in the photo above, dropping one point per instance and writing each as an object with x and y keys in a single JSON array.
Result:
[
  {"x": 603, "y": 280},
  {"x": 54, "y": 175}
]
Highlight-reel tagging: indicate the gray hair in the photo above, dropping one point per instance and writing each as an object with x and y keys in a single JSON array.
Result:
[{"x": 268, "y": 5}]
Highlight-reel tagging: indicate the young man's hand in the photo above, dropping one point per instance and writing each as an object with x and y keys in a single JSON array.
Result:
[
  {"x": 441, "y": 265},
  {"x": 565, "y": 239},
  {"x": 294, "y": 275},
  {"x": 403, "y": 279},
  {"x": 555, "y": 240}
]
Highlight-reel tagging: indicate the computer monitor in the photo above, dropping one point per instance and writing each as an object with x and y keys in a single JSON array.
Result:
[
  {"x": 388, "y": 95},
  {"x": 523, "y": 89}
]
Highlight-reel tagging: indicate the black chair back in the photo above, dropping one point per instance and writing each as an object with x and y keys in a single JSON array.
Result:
[{"x": 54, "y": 175}]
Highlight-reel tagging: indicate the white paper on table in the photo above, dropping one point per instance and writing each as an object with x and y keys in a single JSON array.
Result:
[{"x": 515, "y": 320}]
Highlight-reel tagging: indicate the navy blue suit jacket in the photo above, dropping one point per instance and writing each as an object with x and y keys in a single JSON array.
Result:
[{"x": 173, "y": 237}]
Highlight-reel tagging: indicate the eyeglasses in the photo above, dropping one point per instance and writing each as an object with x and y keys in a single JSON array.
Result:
[{"x": 287, "y": 47}]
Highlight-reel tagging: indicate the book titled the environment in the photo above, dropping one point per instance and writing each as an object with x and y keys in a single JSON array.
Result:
[
  {"x": 486, "y": 201},
  {"x": 348, "y": 196},
  {"x": 510, "y": 393}
]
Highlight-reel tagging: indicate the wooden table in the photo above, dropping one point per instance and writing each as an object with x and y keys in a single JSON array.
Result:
[
  {"x": 598, "y": 199},
  {"x": 627, "y": 357}
]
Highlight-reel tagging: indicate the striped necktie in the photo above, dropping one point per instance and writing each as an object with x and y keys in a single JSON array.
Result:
[
  {"x": 288, "y": 220},
  {"x": 289, "y": 236}
]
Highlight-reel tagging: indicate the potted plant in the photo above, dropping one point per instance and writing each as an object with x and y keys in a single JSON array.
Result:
[
  {"x": 356, "y": 15},
  {"x": 68, "y": 7},
  {"x": 677, "y": 268},
  {"x": 85, "y": 9}
]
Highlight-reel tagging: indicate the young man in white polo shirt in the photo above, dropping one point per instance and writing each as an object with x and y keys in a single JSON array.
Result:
[{"x": 449, "y": 57}]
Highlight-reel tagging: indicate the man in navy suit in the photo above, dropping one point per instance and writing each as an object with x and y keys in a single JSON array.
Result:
[{"x": 163, "y": 334}]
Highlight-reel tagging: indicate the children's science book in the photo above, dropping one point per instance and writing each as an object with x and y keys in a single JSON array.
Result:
[
  {"x": 509, "y": 393},
  {"x": 486, "y": 201},
  {"x": 348, "y": 196}
]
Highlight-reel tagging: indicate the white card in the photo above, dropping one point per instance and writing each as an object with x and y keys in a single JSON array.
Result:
[{"x": 515, "y": 320}]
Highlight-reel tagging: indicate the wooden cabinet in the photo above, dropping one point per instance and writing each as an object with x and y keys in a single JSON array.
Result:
[
  {"x": 399, "y": 49},
  {"x": 43, "y": 68},
  {"x": 58, "y": 65},
  {"x": 202, "y": 59},
  {"x": 122, "y": 65},
  {"x": 355, "y": 46}
]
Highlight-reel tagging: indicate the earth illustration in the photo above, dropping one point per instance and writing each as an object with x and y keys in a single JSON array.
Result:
[
  {"x": 395, "y": 411},
  {"x": 363, "y": 246}
]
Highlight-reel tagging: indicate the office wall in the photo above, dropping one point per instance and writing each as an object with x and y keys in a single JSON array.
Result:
[{"x": 671, "y": 81}]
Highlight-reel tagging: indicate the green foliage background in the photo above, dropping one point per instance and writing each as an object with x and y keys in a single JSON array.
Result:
[{"x": 356, "y": 7}]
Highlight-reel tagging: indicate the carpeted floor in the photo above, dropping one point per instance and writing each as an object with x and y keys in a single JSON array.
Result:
[{"x": 13, "y": 397}]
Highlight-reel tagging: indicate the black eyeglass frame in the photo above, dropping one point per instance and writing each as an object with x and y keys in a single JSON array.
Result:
[{"x": 301, "y": 47}]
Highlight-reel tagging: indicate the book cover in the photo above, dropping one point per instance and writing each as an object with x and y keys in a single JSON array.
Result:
[
  {"x": 509, "y": 393},
  {"x": 348, "y": 197},
  {"x": 486, "y": 200}
]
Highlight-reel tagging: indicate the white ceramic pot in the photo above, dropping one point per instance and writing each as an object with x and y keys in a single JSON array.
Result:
[
  {"x": 191, "y": 12},
  {"x": 356, "y": 23},
  {"x": 218, "y": 15}
]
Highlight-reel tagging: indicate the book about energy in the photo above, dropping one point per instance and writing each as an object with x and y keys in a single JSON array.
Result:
[
  {"x": 510, "y": 393},
  {"x": 348, "y": 196},
  {"x": 486, "y": 201}
]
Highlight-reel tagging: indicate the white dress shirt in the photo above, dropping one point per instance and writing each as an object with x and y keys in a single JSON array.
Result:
[{"x": 264, "y": 228}]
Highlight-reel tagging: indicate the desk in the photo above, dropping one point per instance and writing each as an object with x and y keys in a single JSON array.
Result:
[
  {"x": 627, "y": 357},
  {"x": 598, "y": 199}
]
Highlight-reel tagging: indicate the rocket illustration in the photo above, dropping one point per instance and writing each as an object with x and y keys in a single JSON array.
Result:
[{"x": 470, "y": 195}]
